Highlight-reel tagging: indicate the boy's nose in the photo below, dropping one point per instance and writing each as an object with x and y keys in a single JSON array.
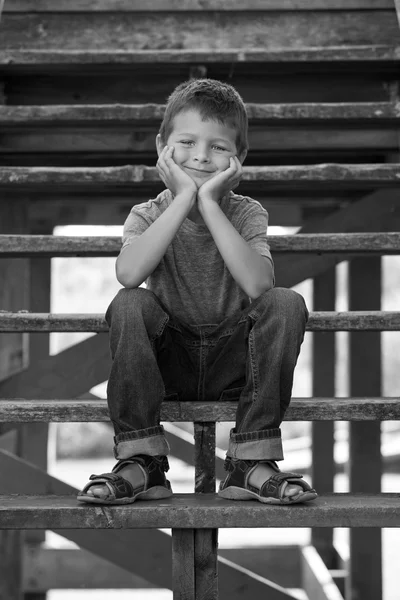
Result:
[{"x": 201, "y": 156}]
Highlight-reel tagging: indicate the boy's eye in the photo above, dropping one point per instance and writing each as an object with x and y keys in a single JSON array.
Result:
[{"x": 220, "y": 147}]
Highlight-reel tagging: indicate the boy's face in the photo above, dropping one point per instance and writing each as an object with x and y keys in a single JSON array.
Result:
[{"x": 202, "y": 148}]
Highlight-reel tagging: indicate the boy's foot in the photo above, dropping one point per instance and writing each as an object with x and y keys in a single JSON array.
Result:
[
  {"x": 263, "y": 481},
  {"x": 141, "y": 477}
]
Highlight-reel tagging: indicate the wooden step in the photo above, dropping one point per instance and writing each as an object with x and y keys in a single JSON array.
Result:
[
  {"x": 24, "y": 321},
  {"x": 19, "y": 246},
  {"x": 13, "y": 57},
  {"x": 199, "y": 511},
  {"x": 121, "y": 133},
  {"x": 385, "y": 113},
  {"x": 17, "y": 410},
  {"x": 344, "y": 176}
]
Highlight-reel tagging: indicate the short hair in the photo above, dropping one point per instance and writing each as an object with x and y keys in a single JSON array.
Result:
[{"x": 214, "y": 100}]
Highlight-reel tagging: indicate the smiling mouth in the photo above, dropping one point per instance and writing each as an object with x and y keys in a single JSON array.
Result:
[{"x": 199, "y": 170}]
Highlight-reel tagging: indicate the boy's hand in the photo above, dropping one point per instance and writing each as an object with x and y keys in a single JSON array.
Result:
[
  {"x": 173, "y": 176},
  {"x": 222, "y": 183}
]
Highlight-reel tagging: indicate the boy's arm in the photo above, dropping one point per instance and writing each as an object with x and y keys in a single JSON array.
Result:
[
  {"x": 252, "y": 271},
  {"x": 139, "y": 259}
]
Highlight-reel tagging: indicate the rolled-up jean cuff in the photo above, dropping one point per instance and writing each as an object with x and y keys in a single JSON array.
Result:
[
  {"x": 264, "y": 448},
  {"x": 150, "y": 441}
]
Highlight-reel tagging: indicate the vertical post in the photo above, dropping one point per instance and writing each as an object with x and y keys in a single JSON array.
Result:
[
  {"x": 14, "y": 278},
  {"x": 34, "y": 436},
  {"x": 205, "y": 540},
  {"x": 323, "y": 464},
  {"x": 365, "y": 464},
  {"x": 183, "y": 580}
]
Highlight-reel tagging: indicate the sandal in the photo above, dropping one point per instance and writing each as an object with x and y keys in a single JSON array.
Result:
[
  {"x": 122, "y": 491},
  {"x": 236, "y": 485}
]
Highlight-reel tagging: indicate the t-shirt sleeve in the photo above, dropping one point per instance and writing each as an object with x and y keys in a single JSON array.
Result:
[
  {"x": 136, "y": 223},
  {"x": 252, "y": 224}
]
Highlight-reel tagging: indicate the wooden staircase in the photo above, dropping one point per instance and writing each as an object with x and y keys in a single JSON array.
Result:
[{"x": 82, "y": 94}]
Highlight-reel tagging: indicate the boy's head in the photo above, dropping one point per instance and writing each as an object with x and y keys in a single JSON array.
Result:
[{"x": 206, "y": 122}]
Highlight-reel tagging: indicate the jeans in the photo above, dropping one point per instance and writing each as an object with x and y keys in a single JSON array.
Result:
[{"x": 250, "y": 356}]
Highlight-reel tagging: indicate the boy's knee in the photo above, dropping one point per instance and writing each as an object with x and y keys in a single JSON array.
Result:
[
  {"x": 285, "y": 298},
  {"x": 130, "y": 301}
]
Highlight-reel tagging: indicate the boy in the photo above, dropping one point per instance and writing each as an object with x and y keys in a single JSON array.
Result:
[{"x": 210, "y": 325}]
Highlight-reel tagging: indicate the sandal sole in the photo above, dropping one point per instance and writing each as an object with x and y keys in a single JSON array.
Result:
[
  {"x": 237, "y": 493},
  {"x": 155, "y": 493}
]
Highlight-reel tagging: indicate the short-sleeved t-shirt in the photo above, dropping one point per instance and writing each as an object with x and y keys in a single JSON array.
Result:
[{"x": 192, "y": 280}]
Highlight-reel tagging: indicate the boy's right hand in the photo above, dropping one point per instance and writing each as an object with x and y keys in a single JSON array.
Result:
[{"x": 173, "y": 176}]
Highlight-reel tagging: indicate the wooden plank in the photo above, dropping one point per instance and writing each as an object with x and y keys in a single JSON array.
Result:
[
  {"x": 317, "y": 581},
  {"x": 322, "y": 433},
  {"x": 66, "y": 568},
  {"x": 14, "y": 294},
  {"x": 129, "y": 30},
  {"x": 202, "y": 511},
  {"x": 73, "y": 371},
  {"x": 204, "y": 457},
  {"x": 16, "y": 410},
  {"x": 29, "y": 6},
  {"x": 384, "y": 113},
  {"x": 206, "y": 563},
  {"x": 352, "y": 175},
  {"x": 365, "y": 460},
  {"x": 318, "y": 321},
  {"x": 19, "y": 246},
  {"x": 183, "y": 580},
  {"x": 338, "y": 54}
]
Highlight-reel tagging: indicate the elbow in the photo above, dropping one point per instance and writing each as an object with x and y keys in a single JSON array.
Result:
[
  {"x": 125, "y": 278},
  {"x": 259, "y": 289}
]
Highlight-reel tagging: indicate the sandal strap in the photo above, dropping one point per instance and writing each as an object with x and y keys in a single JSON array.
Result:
[{"x": 118, "y": 486}]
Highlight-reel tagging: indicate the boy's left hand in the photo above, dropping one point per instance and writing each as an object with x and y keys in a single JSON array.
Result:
[{"x": 222, "y": 183}]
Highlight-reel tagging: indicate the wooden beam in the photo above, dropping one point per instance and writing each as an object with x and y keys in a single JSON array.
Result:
[
  {"x": 183, "y": 557},
  {"x": 25, "y": 6},
  {"x": 244, "y": 29},
  {"x": 42, "y": 246},
  {"x": 353, "y": 175},
  {"x": 73, "y": 371},
  {"x": 348, "y": 53},
  {"x": 365, "y": 460},
  {"x": 17, "y": 410},
  {"x": 378, "y": 211},
  {"x": 322, "y": 433},
  {"x": 199, "y": 511},
  {"x": 318, "y": 321},
  {"x": 103, "y": 115},
  {"x": 317, "y": 581}
]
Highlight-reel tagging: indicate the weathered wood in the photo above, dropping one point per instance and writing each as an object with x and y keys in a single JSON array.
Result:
[
  {"x": 354, "y": 175},
  {"x": 11, "y": 563},
  {"x": 17, "y": 6},
  {"x": 204, "y": 457},
  {"x": 378, "y": 211},
  {"x": 365, "y": 459},
  {"x": 17, "y": 410},
  {"x": 183, "y": 556},
  {"x": 322, "y": 433},
  {"x": 71, "y": 372},
  {"x": 19, "y": 246},
  {"x": 151, "y": 548},
  {"x": 179, "y": 30},
  {"x": 200, "y": 511},
  {"x": 318, "y": 54},
  {"x": 318, "y": 321},
  {"x": 317, "y": 581},
  {"x": 206, "y": 564},
  {"x": 384, "y": 113}
]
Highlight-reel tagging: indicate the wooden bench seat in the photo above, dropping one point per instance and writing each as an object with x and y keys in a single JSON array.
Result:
[
  {"x": 17, "y": 410},
  {"x": 199, "y": 511}
]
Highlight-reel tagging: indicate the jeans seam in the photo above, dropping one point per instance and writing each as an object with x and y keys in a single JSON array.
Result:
[{"x": 255, "y": 381}]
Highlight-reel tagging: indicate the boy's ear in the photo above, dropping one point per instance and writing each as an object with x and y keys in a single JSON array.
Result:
[
  {"x": 242, "y": 156},
  {"x": 159, "y": 144}
]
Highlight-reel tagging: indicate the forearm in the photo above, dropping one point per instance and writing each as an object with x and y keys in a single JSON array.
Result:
[
  {"x": 139, "y": 259},
  {"x": 251, "y": 271}
]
